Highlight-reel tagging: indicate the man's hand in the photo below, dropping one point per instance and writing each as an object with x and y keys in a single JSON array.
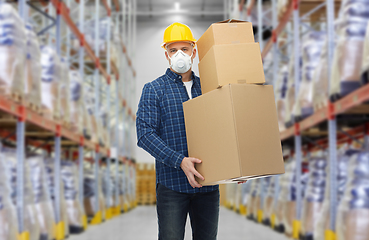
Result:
[{"x": 188, "y": 167}]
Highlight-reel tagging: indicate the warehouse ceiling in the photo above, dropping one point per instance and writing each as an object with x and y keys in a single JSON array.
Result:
[{"x": 196, "y": 8}]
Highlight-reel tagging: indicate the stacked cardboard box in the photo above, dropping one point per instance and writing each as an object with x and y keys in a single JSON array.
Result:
[
  {"x": 233, "y": 126},
  {"x": 146, "y": 182}
]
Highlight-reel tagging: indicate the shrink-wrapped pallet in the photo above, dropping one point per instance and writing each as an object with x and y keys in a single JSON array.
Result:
[
  {"x": 42, "y": 198},
  {"x": 365, "y": 64},
  {"x": 290, "y": 94},
  {"x": 90, "y": 195},
  {"x": 253, "y": 202},
  {"x": 108, "y": 187},
  {"x": 51, "y": 81},
  {"x": 320, "y": 84},
  {"x": 76, "y": 102},
  {"x": 280, "y": 94},
  {"x": 31, "y": 224},
  {"x": 50, "y": 173},
  {"x": 71, "y": 192},
  {"x": 289, "y": 195},
  {"x": 89, "y": 102},
  {"x": 348, "y": 54},
  {"x": 65, "y": 93},
  {"x": 32, "y": 71},
  {"x": 353, "y": 211},
  {"x": 270, "y": 199},
  {"x": 311, "y": 51},
  {"x": 12, "y": 52},
  {"x": 314, "y": 196},
  {"x": 8, "y": 214},
  {"x": 322, "y": 223}
]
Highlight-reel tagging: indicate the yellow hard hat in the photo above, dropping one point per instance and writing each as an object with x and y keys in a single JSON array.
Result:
[{"x": 177, "y": 32}]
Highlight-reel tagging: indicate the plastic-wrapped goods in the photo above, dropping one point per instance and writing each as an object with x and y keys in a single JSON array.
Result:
[
  {"x": 65, "y": 91},
  {"x": 89, "y": 33},
  {"x": 106, "y": 180},
  {"x": 320, "y": 83},
  {"x": 31, "y": 224},
  {"x": 51, "y": 81},
  {"x": 343, "y": 157},
  {"x": 89, "y": 102},
  {"x": 348, "y": 55},
  {"x": 32, "y": 82},
  {"x": 276, "y": 209},
  {"x": 8, "y": 215},
  {"x": 253, "y": 202},
  {"x": 90, "y": 193},
  {"x": 49, "y": 166},
  {"x": 281, "y": 90},
  {"x": 290, "y": 94},
  {"x": 269, "y": 199},
  {"x": 231, "y": 193},
  {"x": 42, "y": 199},
  {"x": 311, "y": 50},
  {"x": 353, "y": 211},
  {"x": 365, "y": 64},
  {"x": 71, "y": 193},
  {"x": 12, "y": 51},
  {"x": 76, "y": 101},
  {"x": 314, "y": 197},
  {"x": 288, "y": 195}
]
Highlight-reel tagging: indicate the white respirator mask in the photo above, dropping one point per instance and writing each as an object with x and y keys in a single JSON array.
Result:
[{"x": 181, "y": 62}]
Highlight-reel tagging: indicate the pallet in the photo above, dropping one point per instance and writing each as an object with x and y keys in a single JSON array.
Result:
[
  {"x": 33, "y": 107},
  {"x": 16, "y": 97}
]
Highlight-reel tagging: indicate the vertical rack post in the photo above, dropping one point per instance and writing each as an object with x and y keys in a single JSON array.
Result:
[
  {"x": 110, "y": 210},
  {"x": 81, "y": 53},
  {"x": 81, "y": 179},
  {"x": 116, "y": 140},
  {"x": 275, "y": 44},
  {"x": 22, "y": 232},
  {"x": 57, "y": 168},
  {"x": 24, "y": 235},
  {"x": 98, "y": 217},
  {"x": 332, "y": 129},
  {"x": 296, "y": 32},
  {"x": 97, "y": 64},
  {"x": 260, "y": 24}
]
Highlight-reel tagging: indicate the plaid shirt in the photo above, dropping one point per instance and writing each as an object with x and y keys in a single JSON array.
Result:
[{"x": 161, "y": 129}]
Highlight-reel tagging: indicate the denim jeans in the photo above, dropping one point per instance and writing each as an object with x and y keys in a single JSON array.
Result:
[{"x": 173, "y": 207}]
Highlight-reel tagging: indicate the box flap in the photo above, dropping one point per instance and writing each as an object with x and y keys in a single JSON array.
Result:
[
  {"x": 231, "y": 21},
  {"x": 256, "y": 118}
]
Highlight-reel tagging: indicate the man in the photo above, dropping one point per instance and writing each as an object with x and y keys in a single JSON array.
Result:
[{"x": 161, "y": 132}]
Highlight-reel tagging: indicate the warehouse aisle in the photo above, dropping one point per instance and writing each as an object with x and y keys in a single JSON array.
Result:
[{"x": 140, "y": 224}]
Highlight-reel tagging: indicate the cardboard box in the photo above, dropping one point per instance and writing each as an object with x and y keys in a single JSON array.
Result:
[
  {"x": 234, "y": 63},
  {"x": 225, "y": 32},
  {"x": 234, "y": 131}
]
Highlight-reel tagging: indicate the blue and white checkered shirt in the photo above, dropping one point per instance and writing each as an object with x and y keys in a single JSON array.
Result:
[{"x": 161, "y": 129}]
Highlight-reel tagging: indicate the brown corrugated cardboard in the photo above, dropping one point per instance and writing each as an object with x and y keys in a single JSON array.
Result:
[
  {"x": 233, "y": 63},
  {"x": 225, "y": 32},
  {"x": 234, "y": 131}
]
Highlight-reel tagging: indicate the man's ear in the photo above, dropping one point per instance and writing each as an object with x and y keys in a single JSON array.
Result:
[
  {"x": 166, "y": 55},
  {"x": 194, "y": 53}
]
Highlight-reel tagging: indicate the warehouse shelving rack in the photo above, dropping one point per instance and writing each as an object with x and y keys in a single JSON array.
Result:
[
  {"x": 336, "y": 114},
  {"x": 40, "y": 129}
]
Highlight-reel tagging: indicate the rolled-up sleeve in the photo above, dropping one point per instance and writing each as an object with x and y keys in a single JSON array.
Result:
[{"x": 147, "y": 124}]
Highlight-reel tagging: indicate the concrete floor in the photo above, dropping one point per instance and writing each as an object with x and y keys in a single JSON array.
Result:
[{"x": 140, "y": 224}]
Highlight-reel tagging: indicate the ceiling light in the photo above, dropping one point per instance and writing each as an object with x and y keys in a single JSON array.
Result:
[{"x": 177, "y": 6}]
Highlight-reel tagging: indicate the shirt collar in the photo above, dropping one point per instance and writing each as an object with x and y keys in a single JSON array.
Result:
[{"x": 176, "y": 77}]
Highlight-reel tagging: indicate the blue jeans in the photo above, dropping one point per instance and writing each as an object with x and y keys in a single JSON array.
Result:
[{"x": 173, "y": 207}]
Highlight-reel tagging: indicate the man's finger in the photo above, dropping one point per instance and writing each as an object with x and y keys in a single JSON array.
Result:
[
  {"x": 193, "y": 182},
  {"x": 196, "y": 160},
  {"x": 197, "y": 174}
]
